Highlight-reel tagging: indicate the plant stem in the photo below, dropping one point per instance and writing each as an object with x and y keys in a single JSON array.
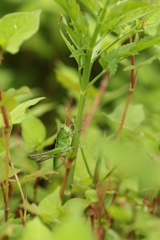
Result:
[
  {"x": 83, "y": 91},
  {"x": 6, "y": 141},
  {"x": 124, "y": 114},
  {"x": 133, "y": 80},
  {"x": 97, "y": 100}
]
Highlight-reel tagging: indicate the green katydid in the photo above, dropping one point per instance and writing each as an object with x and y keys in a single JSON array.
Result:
[{"x": 62, "y": 146}]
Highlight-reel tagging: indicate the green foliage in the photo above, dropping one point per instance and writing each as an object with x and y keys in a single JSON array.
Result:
[
  {"x": 33, "y": 140},
  {"x": 16, "y": 28},
  {"x": 31, "y": 227},
  {"x": 135, "y": 116},
  {"x": 107, "y": 185},
  {"x": 74, "y": 228}
]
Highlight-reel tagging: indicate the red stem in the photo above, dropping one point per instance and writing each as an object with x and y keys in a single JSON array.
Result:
[
  {"x": 6, "y": 140},
  {"x": 97, "y": 100},
  {"x": 132, "y": 87}
]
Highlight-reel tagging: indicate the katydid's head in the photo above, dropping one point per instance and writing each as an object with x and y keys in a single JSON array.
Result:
[{"x": 65, "y": 129}]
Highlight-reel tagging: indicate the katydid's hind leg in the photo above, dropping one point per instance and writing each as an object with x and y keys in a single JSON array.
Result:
[
  {"x": 50, "y": 177},
  {"x": 57, "y": 163},
  {"x": 69, "y": 148}
]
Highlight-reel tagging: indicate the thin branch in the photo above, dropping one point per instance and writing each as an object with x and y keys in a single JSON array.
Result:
[
  {"x": 97, "y": 100},
  {"x": 6, "y": 141}
]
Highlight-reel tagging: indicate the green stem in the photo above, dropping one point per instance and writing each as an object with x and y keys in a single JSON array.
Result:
[
  {"x": 96, "y": 78},
  {"x": 83, "y": 91}
]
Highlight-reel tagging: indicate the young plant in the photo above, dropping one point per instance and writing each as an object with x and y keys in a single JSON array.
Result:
[
  {"x": 110, "y": 192},
  {"x": 88, "y": 44}
]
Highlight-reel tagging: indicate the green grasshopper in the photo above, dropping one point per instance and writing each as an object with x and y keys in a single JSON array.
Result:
[{"x": 62, "y": 146}]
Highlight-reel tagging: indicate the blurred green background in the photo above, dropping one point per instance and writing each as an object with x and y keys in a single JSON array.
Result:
[{"x": 36, "y": 62}]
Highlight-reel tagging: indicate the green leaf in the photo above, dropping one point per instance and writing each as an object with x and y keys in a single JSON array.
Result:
[
  {"x": 33, "y": 132},
  {"x": 36, "y": 230},
  {"x": 157, "y": 51},
  {"x": 91, "y": 195},
  {"x": 92, "y": 5},
  {"x": 50, "y": 207},
  {"x": 20, "y": 112},
  {"x": 12, "y": 94},
  {"x": 147, "y": 62},
  {"x": 68, "y": 44},
  {"x": 151, "y": 23},
  {"x": 135, "y": 115},
  {"x": 132, "y": 48},
  {"x": 74, "y": 228},
  {"x": 153, "y": 137},
  {"x": 74, "y": 37},
  {"x": 122, "y": 214},
  {"x": 32, "y": 208},
  {"x": 108, "y": 61},
  {"x": 78, "y": 21},
  {"x": 68, "y": 77},
  {"x": 124, "y": 12},
  {"x": 132, "y": 163},
  {"x": 75, "y": 205},
  {"x": 36, "y": 174},
  {"x": 146, "y": 42},
  {"x": 15, "y": 28},
  {"x": 12, "y": 171}
]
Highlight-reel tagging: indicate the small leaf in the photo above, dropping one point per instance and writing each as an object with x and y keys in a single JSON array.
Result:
[
  {"x": 33, "y": 132},
  {"x": 146, "y": 42},
  {"x": 75, "y": 205},
  {"x": 15, "y": 28},
  {"x": 50, "y": 207},
  {"x": 151, "y": 23},
  {"x": 108, "y": 61},
  {"x": 32, "y": 208},
  {"x": 19, "y": 113},
  {"x": 92, "y": 5},
  {"x": 129, "y": 68},
  {"x": 91, "y": 195},
  {"x": 77, "y": 53},
  {"x": 148, "y": 61},
  {"x": 36, "y": 174}
]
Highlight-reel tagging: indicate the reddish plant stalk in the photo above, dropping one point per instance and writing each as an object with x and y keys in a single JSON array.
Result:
[
  {"x": 65, "y": 180},
  {"x": 6, "y": 141},
  {"x": 97, "y": 100},
  {"x": 132, "y": 87}
]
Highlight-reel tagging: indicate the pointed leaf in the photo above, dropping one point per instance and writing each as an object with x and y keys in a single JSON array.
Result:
[
  {"x": 148, "y": 61},
  {"x": 20, "y": 112},
  {"x": 36, "y": 174},
  {"x": 50, "y": 207},
  {"x": 75, "y": 205},
  {"x": 15, "y": 28},
  {"x": 108, "y": 61},
  {"x": 32, "y": 208},
  {"x": 151, "y": 23}
]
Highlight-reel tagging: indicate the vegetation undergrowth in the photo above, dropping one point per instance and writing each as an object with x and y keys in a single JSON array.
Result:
[{"x": 97, "y": 176}]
